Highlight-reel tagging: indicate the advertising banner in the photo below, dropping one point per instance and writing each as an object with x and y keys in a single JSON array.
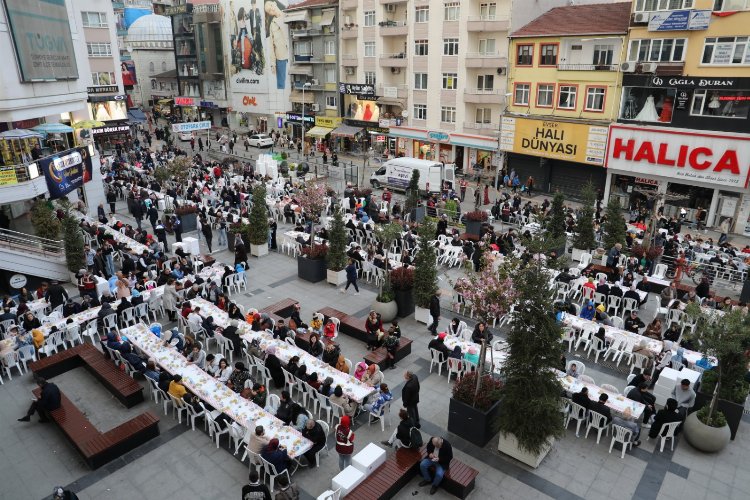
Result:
[
  {"x": 8, "y": 176},
  {"x": 41, "y": 36},
  {"x": 190, "y": 126},
  {"x": 683, "y": 155},
  {"x": 66, "y": 171},
  {"x": 129, "y": 77},
  {"x": 576, "y": 142},
  {"x": 109, "y": 110}
]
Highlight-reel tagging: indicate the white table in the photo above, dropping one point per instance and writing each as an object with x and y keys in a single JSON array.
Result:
[
  {"x": 347, "y": 480},
  {"x": 616, "y": 402},
  {"x": 369, "y": 458},
  {"x": 668, "y": 379},
  {"x": 191, "y": 245}
]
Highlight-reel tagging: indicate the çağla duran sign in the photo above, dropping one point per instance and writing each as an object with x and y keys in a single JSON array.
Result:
[
  {"x": 190, "y": 126},
  {"x": 689, "y": 156},
  {"x": 576, "y": 142}
]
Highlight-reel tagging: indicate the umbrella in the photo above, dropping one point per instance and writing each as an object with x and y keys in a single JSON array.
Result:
[
  {"x": 19, "y": 133},
  {"x": 53, "y": 128},
  {"x": 88, "y": 124}
]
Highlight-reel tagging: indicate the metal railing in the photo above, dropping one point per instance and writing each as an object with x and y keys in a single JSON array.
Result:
[
  {"x": 481, "y": 91},
  {"x": 483, "y": 55},
  {"x": 399, "y": 55},
  {"x": 13, "y": 240},
  {"x": 481, "y": 126},
  {"x": 487, "y": 17},
  {"x": 587, "y": 67}
]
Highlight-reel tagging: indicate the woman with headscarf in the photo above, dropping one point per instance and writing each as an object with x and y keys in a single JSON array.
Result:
[
  {"x": 326, "y": 388},
  {"x": 293, "y": 365},
  {"x": 274, "y": 367},
  {"x": 588, "y": 311},
  {"x": 298, "y": 417},
  {"x": 372, "y": 377},
  {"x": 360, "y": 369},
  {"x": 341, "y": 364},
  {"x": 344, "y": 442},
  {"x": 302, "y": 372},
  {"x": 276, "y": 455}
]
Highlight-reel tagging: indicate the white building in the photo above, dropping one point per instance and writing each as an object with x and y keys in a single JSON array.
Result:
[{"x": 149, "y": 42}]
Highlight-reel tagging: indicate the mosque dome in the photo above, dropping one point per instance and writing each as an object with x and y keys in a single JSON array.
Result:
[{"x": 150, "y": 31}]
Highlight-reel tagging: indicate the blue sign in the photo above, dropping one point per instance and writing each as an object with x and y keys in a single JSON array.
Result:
[
  {"x": 699, "y": 19},
  {"x": 438, "y": 136},
  {"x": 675, "y": 20},
  {"x": 66, "y": 171},
  {"x": 190, "y": 126}
]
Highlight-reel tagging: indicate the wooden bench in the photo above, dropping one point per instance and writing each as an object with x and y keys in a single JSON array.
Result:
[
  {"x": 120, "y": 384},
  {"x": 348, "y": 325},
  {"x": 99, "y": 448},
  {"x": 283, "y": 308},
  {"x": 302, "y": 340},
  {"x": 380, "y": 355},
  {"x": 459, "y": 480},
  {"x": 388, "y": 479}
]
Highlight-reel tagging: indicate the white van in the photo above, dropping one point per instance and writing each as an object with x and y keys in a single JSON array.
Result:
[{"x": 396, "y": 174}]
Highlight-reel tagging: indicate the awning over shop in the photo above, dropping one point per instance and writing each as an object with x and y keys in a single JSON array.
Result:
[
  {"x": 296, "y": 16},
  {"x": 135, "y": 115},
  {"x": 327, "y": 19},
  {"x": 408, "y": 133},
  {"x": 391, "y": 101},
  {"x": 346, "y": 131},
  {"x": 319, "y": 131}
]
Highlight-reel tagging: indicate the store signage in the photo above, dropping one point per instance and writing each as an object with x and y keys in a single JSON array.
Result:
[
  {"x": 296, "y": 117},
  {"x": 8, "y": 176},
  {"x": 438, "y": 136},
  {"x": 681, "y": 100},
  {"x": 363, "y": 90},
  {"x": 679, "y": 20},
  {"x": 328, "y": 121},
  {"x": 379, "y": 138},
  {"x": 648, "y": 182},
  {"x": 208, "y": 104},
  {"x": 249, "y": 100},
  {"x": 117, "y": 129},
  {"x": 691, "y": 83},
  {"x": 105, "y": 98},
  {"x": 576, "y": 142},
  {"x": 178, "y": 9},
  {"x": 66, "y": 171},
  {"x": 686, "y": 155},
  {"x": 190, "y": 126},
  {"x": 391, "y": 92},
  {"x": 17, "y": 281},
  {"x": 184, "y": 101},
  {"x": 102, "y": 89}
]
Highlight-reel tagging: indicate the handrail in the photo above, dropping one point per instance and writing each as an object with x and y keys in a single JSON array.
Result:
[{"x": 31, "y": 243}]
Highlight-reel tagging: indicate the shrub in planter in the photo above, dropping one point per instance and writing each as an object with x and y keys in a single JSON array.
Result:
[
  {"x": 336, "y": 258},
  {"x": 474, "y": 222},
  {"x": 72, "y": 238},
  {"x": 311, "y": 265},
  {"x": 472, "y": 414},
  {"x": 258, "y": 221},
  {"x": 425, "y": 271},
  {"x": 585, "y": 238},
  {"x": 402, "y": 283},
  {"x": 476, "y": 216}
]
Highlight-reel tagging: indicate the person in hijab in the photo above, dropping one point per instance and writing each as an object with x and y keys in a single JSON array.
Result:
[
  {"x": 274, "y": 367},
  {"x": 344, "y": 442},
  {"x": 276, "y": 455},
  {"x": 456, "y": 353},
  {"x": 326, "y": 388},
  {"x": 341, "y": 364},
  {"x": 372, "y": 377},
  {"x": 293, "y": 365},
  {"x": 359, "y": 371},
  {"x": 302, "y": 372}
]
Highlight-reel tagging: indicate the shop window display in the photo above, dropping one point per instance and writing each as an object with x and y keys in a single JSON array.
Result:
[
  {"x": 647, "y": 104},
  {"x": 720, "y": 103}
]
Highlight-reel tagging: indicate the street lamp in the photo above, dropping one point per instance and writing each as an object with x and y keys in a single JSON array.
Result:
[{"x": 305, "y": 85}]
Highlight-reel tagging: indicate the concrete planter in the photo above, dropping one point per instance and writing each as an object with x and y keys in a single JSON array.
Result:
[
  {"x": 475, "y": 426},
  {"x": 404, "y": 302},
  {"x": 337, "y": 278},
  {"x": 474, "y": 228},
  {"x": 508, "y": 444},
  {"x": 189, "y": 222},
  {"x": 312, "y": 270},
  {"x": 422, "y": 315},
  {"x": 732, "y": 411},
  {"x": 258, "y": 250},
  {"x": 705, "y": 438},
  {"x": 387, "y": 310}
]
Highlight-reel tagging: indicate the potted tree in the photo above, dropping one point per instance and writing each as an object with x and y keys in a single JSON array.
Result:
[
  {"x": 585, "y": 240},
  {"x": 336, "y": 258},
  {"x": 471, "y": 414},
  {"x": 555, "y": 223},
  {"x": 614, "y": 227},
  {"x": 529, "y": 419},
  {"x": 402, "y": 283},
  {"x": 411, "y": 204},
  {"x": 258, "y": 222},
  {"x": 311, "y": 265},
  {"x": 72, "y": 238},
  {"x": 425, "y": 272},
  {"x": 385, "y": 305},
  {"x": 188, "y": 214},
  {"x": 43, "y": 218},
  {"x": 474, "y": 220}
]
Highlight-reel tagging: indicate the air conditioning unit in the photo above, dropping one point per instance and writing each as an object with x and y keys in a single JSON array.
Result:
[
  {"x": 641, "y": 17},
  {"x": 649, "y": 67},
  {"x": 314, "y": 82},
  {"x": 628, "y": 67},
  {"x": 349, "y": 71},
  {"x": 316, "y": 107},
  {"x": 500, "y": 71},
  {"x": 391, "y": 7}
]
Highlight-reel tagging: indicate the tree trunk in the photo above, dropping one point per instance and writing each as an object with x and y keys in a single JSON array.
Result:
[{"x": 480, "y": 369}]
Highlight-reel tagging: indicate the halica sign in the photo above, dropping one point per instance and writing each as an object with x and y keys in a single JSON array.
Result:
[{"x": 687, "y": 156}]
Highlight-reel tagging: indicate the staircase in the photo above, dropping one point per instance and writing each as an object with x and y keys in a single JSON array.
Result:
[{"x": 32, "y": 256}]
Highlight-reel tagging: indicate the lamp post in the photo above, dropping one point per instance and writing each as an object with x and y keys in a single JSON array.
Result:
[{"x": 305, "y": 85}]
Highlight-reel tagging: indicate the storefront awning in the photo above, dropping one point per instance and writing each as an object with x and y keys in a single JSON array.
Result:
[
  {"x": 135, "y": 115},
  {"x": 408, "y": 133},
  {"x": 346, "y": 131},
  {"x": 327, "y": 19},
  {"x": 296, "y": 16},
  {"x": 391, "y": 101},
  {"x": 319, "y": 131}
]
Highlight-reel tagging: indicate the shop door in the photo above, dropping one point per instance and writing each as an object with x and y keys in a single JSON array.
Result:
[
  {"x": 526, "y": 166},
  {"x": 569, "y": 177}
]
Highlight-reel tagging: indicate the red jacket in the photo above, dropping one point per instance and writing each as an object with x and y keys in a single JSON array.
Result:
[{"x": 344, "y": 437}]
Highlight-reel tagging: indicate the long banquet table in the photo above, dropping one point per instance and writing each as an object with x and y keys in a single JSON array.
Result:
[{"x": 616, "y": 402}]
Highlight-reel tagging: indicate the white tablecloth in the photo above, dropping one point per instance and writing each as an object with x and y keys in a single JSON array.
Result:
[{"x": 616, "y": 402}]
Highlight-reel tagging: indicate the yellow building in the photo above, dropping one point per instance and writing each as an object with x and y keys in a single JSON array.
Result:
[{"x": 564, "y": 89}]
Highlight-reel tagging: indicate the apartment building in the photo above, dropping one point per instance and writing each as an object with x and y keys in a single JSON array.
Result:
[
  {"x": 683, "y": 114},
  {"x": 564, "y": 84},
  {"x": 150, "y": 44}
]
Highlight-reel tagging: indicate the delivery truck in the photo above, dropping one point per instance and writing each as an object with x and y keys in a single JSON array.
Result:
[{"x": 396, "y": 174}]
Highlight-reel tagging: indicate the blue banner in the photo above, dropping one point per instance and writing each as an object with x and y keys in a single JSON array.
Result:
[{"x": 66, "y": 171}]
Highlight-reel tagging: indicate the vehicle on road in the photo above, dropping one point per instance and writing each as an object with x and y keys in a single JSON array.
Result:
[
  {"x": 185, "y": 136},
  {"x": 260, "y": 141},
  {"x": 396, "y": 174}
]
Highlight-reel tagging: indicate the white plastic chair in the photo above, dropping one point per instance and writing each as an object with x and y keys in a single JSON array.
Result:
[
  {"x": 577, "y": 413},
  {"x": 618, "y": 322},
  {"x": 629, "y": 304},
  {"x": 10, "y": 361},
  {"x": 623, "y": 436},
  {"x": 383, "y": 413},
  {"x": 140, "y": 311},
  {"x": 128, "y": 317},
  {"x": 273, "y": 403},
  {"x": 178, "y": 407},
  {"x": 324, "y": 404},
  {"x": 110, "y": 322},
  {"x": 193, "y": 414},
  {"x": 610, "y": 388},
  {"x": 569, "y": 336},
  {"x": 271, "y": 472},
  {"x": 585, "y": 339},
  {"x": 26, "y": 354},
  {"x": 214, "y": 429},
  {"x": 613, "y": 304},
  {"x": 667, "y": 432},
  {"x": 660, "y": 271},
  {"x": 73, "y": 334},
  {"x": 599, "y": 422},
  {"x": 455, "y": 366},
  {"x": 326, "y": 430},
  {"x": 52, "y": 343},
  {"x": 435, "y": 360},
  {"x": 585, "y": 261},
  {"x": 639, "y": 361},
  {"x": 580, "y": 367},
  {"x": 586, "y": 379}
]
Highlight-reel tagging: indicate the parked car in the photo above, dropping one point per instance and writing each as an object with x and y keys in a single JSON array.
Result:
[
  {"x": 185, "y": 136},
  {"x": 260, "y": 141}
]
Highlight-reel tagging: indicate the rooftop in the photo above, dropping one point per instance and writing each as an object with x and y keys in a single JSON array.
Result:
[{"x": 594, "y": 19}]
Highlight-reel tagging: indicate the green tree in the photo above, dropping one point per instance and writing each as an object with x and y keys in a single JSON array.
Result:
[
  {"x": 585, "y": 238},
  {"x": 614, "y": 227},
  {"x": 258, "y": 218},
  {"x": 387, "y": 234},
  {"x": 43, "y": 218},
  {"x": 555, "y": 222},
  {"x": 531, "y": 394},
  {"x": 425, "y": 265},
  {"x": 72, "y": 237},
  {"x": 412, "y": 193},
  {"x": 337, "y": 239}
]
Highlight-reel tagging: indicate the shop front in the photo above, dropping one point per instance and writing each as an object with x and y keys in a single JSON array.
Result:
[
  {"x": 186, "y": 108},
  {"x": 558, "y": 155},
  {"x": 319, "y": 136},
  {"x": 294, "y": 122},
  {"x": 700, "y": 172},
  {"x": 107, "y": 138}
]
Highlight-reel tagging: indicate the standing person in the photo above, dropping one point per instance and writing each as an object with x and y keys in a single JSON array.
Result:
[
  {"x": 207, "y": 233},
  {"x": 435, "y": 311},
  {"x": 161, "y": 235},
  {"x": 48, "y": 401},
  {"x": 153, "y": 215},
  {"x": 222, "y": 223},
  {"x": 724, "y": 230},
  {"x": 255, "y": 490},
  {"x": 56, "y": 295},
  {"x": 111, "y": 199},
  {"x": 138, "y": 213},
  {"x": 200, "y": 144},
  {"x": 477, "y": 198},
  {"x": 177, "y": 228},
  {"x": 486, "y": 194},
  {"x": 530, "y": 185},
  {"x": 351, "y": 277},
  {"x": 463, "y": 185},
  {"x": 439, "y": 456},
  {"x": 344, "y": 442},
  {"x": 410, "y": 397},
  {"x": 192, "y": 143}
]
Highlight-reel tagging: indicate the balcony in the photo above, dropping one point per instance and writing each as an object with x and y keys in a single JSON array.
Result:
[
  {"x": 393, "y": 60},
  {"x": 482, "y": 96},
  {"x": 393, "y": 28},
  {"x": 487, "y": 23},
  {"x": 348, "y": 33},
  {"x": 349, "y": 4},
  {"x": 307, "y": 32},
  {"x": 490, "y": 129},
  {"x": 349, "y": 60},
  {"x": 401, "y": 91},
  {"x": 587, "y": 67},
  {"x": 485, "y": 60},
  {"x": 297, "y": 69},
  {"x": 389, "y": 2}
]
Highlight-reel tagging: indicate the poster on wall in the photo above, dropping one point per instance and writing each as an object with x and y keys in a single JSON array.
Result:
[
  {"x": 362, "y": 109},
  {"x": 129, "y": 78},
  {"x": 259, "y": 44},
  {"x": 107, "y": 111},
  {"x": 42, "y": 39},
  {"x": 66, "y": 172}
]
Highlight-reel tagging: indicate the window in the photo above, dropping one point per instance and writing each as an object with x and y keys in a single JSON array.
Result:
[
  {"x": 420, "y": 81},
  {"x": 450, "y": 81},
  {"x": 329, "y": 47},
  {"x": 657, "y": 50},
  {"x": 420, "y": 111},
  {"x": 521, "y": 94},
  {"x": 603, "y": 55},
  {"x": 731, "y": 5},
  {"x": 421, "y": 14},
  {"x": 483, "y": 115},
  {"x": 487, "y": 11},
  {"x": 94, "y": 19},
  {"x": 369, "y": 18},
  {"x": 487, "y": 46},
  {"x": 524, "y": 55},
  {"x": 163, "y": 66},
  {"x": 330, "y": 75},
  {"x": 545, "y": 95},
  {"x": 303, "y": 49},
  {"x": 369, "y": 49},
  {"x": 103, "y": 78},
  {"x": 548, "y": 56},
  {"x": 595, "y": 98},
  {"x": 99, "y": 49},
  {"x": 727, "y": 50},
  {"x": 420, "y": 48},
  {"x": 332, "y": 101},
  {"x": 151, "y": 67},
  {"x": 720, "y": 103},
  {"x": 450, "y": 46},
  {"x": 485, "y": 82},
  {"x": 647, "y": 104},
  {"x": 448, "y": 114},
  {"x": 566, "y": 98},
  {"x": 452, "y": 11},
  {"x": 654, "y": 5},
  {"x": 370, "y": 77}
]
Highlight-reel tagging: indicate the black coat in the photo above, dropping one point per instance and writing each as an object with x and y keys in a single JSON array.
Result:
[
  {"x": 410, "y": 392},
  {"x": 435, "y": 306},
  {"x": 445, "y": 455},
  {"x": 50, "y": 397},
  {"x": 274, "y": 367}
]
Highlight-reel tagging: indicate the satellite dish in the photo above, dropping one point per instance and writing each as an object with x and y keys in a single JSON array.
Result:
[{"x": 405, "y": 114}]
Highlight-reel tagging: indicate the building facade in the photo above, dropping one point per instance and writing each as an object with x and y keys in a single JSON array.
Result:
[
  {"x": 684, "y": 110},
  {"x": 150, "y": 45}
]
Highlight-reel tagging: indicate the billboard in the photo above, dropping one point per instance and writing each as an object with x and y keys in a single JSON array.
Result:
[
  {"x": 66, "y": 171},
  {"x": 109, "y": 110},
  {"x": 129, "y": 77},
  {"x": 41, "y": 36}
]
